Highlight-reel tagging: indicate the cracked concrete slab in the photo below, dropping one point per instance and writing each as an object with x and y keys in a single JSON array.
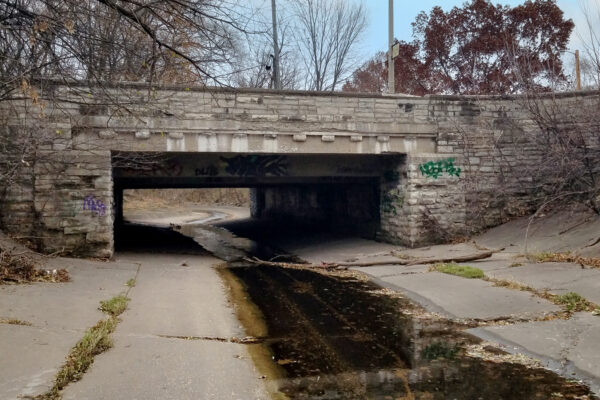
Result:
[
  {"x": 464, "y": 298},
  {"x": 174, "y": 295},
  {"x": 558, "y": 278},
  {"x": 69, "y": 305},
  {"x": 140, "y": 368},
  {"x": 326, "y": 248},
  {"x": 60, "y": 313},
  {"x": 573, "y": 229},
  {"x": 31, "y": 370},
  {"x": 571, "y": 347},
  {"x": 178, "y": 295}
]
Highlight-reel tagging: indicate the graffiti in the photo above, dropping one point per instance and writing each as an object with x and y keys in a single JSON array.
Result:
[
  {"x": 255, "y": 165},
  {"x": 95, "y": 205},
  {"x": 169, "y": 167},
  {"x": 210, "y": 170},
  {"x": 390, "y": 200},
  {"x": 434, "y": 169}
]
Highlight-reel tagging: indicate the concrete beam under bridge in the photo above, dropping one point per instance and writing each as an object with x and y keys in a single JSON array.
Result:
[{"x": 180, "y": 170}]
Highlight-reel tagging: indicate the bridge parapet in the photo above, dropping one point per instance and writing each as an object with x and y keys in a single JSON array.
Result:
[{"x": 264, "y": 122}]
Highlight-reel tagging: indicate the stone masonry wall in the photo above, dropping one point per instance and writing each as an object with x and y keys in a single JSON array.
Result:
[
  {"x": 491, "y": 139},
  {"x": 61, "y": 201}
]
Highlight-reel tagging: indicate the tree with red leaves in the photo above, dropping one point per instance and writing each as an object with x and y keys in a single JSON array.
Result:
[{"x": 479, "y": 48}]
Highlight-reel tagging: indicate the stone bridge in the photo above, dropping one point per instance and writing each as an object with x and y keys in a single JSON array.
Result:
[{"x": 361, "y": 162}]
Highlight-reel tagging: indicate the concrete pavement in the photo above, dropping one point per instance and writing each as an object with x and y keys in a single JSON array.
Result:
[
  {"x": 59, "y": 313},
  {"x": 175, "y": 295},
  {"x": 567, "y": 346}
]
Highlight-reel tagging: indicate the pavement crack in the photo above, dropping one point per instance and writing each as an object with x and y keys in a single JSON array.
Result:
[
  {"x": 403, "y": 273},
  {"x": 244, "y": 340},
  {"x": 512, "y": 320}
]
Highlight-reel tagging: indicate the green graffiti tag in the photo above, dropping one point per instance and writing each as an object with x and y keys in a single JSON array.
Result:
[
  {"x": 390, "y": 200},
  {"x": 434, "y": 169}
]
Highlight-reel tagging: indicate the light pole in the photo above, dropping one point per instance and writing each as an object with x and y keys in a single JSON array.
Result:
[
  {"x": 276, "y": 76},
  {"x": 391, "y": 82},
  {"x": 577, "y": 68}
]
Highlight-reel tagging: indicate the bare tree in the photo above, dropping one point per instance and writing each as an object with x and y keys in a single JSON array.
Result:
[
  {"x": 327, "y": 35},
  {"x": 255, "y": 65},
  {"x": 590, "y": 40},
  {"x": 113, "y": 40}
]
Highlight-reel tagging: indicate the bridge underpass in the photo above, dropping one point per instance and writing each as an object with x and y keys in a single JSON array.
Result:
[{"x": 296, "y": 192}]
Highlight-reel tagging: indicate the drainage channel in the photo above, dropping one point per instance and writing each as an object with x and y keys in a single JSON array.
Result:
[{"x": 335, "y": 335}]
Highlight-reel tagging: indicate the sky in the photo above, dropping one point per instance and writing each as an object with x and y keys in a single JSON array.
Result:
[{"x": 376, "y": 36}]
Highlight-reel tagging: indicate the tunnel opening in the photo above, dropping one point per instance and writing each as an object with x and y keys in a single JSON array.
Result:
[{"x": 286, "y": 197}]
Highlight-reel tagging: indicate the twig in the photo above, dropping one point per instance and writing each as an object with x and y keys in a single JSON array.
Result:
[{"x": 346, "y": 265}]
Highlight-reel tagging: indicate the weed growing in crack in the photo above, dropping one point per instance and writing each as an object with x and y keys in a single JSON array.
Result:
[
  {"x": 95, "y": 341},
  {"x": 573, "y": 301},
  {"x": 464, "y": 271},
  {"x": 131, "y": 283},
  {"x": 114, "y": 306},
  {"x": 14, "y": 321}
]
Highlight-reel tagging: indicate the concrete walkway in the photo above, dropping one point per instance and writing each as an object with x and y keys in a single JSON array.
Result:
[
  {"x": 59, "y": 314},
  {"x": 174, "y": 296}
]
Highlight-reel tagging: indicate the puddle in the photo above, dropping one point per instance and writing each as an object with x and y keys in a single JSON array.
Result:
[{"x": 336, "y": 336}]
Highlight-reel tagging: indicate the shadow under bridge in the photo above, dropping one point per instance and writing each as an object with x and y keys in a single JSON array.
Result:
[{"x": 332, "y": 192}]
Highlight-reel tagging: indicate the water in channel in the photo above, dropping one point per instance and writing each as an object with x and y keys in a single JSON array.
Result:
[{"x": 335, "y": 335}]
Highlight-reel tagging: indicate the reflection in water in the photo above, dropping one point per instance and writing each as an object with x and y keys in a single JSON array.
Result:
[{"x": 339, "y": 337}]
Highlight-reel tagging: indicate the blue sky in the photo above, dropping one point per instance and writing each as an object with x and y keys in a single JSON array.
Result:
[{"x": 405, "y": 12}]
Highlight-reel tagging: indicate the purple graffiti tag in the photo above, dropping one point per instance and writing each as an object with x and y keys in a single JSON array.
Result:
[{"x": 95, "y": 205}]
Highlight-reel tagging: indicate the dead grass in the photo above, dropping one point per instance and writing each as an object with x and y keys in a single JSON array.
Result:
[
  {"x": 22, "y": 267},
  {"x": 564, "y": 257},
  {"x": 152, "y": 198},
  {"x": 570, "y": 302},
  {"x": 14, "y": 321}
]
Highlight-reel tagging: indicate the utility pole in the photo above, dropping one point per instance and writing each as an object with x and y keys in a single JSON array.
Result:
[
  {"x": 577, "y": 70},
  {"x": 276, "y": 76},
  {"x": 391, "y": 84}
]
